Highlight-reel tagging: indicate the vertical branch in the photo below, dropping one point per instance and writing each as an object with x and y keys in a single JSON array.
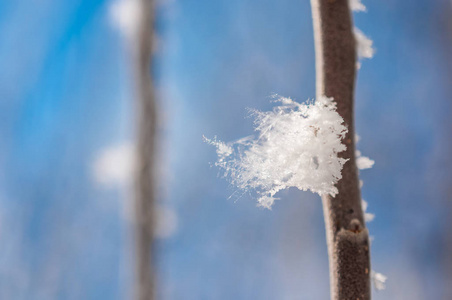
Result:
[
  {"x": 347, "y": 236},
  {"x": 144, "y": 181}
]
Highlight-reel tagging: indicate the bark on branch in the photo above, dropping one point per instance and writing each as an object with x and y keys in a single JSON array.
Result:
[
  {"x": 144, "y": 177},
  {"x": 347, "y": 236}
]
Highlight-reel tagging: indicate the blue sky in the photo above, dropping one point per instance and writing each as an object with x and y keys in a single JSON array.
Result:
[{"x": 65, "y": 95}]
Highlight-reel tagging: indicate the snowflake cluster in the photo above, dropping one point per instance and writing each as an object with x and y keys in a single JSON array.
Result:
[
  {"x": 297, "y": 146},
  {"x": 364, "y": 45}
]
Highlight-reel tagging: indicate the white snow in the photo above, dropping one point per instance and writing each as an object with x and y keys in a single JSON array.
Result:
[
  {"x": 223, "y": 150},
  {"x": 368, "y": 217},
  {"x": 378, "y": 280},
  {"x": 297, "y": 145},
  {"x": 357, "y": 5},
  {"x": 114, "y": 165},
  {"x": 363, "y": 162},
  {"x": 126, "y": 16},
  {"x": 364, "y": 45}
]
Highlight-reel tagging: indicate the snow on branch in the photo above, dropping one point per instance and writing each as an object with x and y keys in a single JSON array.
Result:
[
  {"x": 126, "y": 16},
  {"x": 368, "y": 217},
  {"x": 364, "y": 45},
  {"x": 363, "y": 162},
  {"x": 297, "y": 145},
  {"x": 357, "y": 5},
  {"x": 379, "y": 280}
]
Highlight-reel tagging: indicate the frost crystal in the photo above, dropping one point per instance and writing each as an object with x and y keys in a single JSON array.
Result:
[
  {"x": 356, "y": 5},
  {"x": 297, "y": 145},
  {"x": 363, "y": 45},
  {"x": 378, "y": 280},
  {"x": 368, "y": 217},
  {"x": 363, "y": 162},
  {"x": 223, "y": 150}
]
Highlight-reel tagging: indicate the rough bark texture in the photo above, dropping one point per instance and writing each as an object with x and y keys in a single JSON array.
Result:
[
  {"x": 144, "y": 180},
  {"x": 347, "y": 236}
]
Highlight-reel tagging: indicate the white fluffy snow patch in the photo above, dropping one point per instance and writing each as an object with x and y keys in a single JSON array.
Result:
[
  {"x": 363, "y": 162},
  {"x": 364, "y": 45},
  {"x": 357, "y": 5},
  {"x": 368, "y": 217},
  {"x": 297, "y": 145},
  {"x": 114, "y": 165},
  {"x": 126, "y": 16},
  {"x": 378, "y": 280}
]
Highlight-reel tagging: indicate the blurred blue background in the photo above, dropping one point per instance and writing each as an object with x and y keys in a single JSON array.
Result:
[{"x": 67, "y": 125}]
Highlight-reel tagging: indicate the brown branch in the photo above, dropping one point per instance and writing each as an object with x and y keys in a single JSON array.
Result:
[
  {"x": 347, "y": 236},
  {"x": 144, "y": 180}
]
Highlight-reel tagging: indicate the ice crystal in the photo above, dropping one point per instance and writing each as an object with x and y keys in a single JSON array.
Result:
[
  {"x": 297, "y": 145},
  {"x": 357, "y": 5},
  {"x": 363, "y": 162},
  {"x": 364, "y": 45},
  {"x": 378, "y": 280},
  {"x": 368, "y": 217}
]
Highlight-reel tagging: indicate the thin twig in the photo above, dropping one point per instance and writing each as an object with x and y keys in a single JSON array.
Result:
[
  {"x": 144, "y": 181},
  {"x": 347, "y": 236}
]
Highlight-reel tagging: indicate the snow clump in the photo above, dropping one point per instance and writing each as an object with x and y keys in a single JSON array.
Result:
[
  {"x": 297, "y": 145},
  {"x": 364, "y": 45},
  {"x": 357, "y": 5}
]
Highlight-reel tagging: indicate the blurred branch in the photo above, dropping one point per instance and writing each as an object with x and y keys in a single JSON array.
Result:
[
  {"x": 347, "y": 236},
  {"x": 144, "y": 181}
]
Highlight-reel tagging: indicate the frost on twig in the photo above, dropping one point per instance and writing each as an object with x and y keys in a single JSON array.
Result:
[
  {"x": 357, "y": 5},
  {"x": 363, "y": 162},
  {"x": 378, "y": 280},
  {"x": 368, "y": 217},
  {"x": 364, "y": 45},
  {"x": 297, "y": 145}
]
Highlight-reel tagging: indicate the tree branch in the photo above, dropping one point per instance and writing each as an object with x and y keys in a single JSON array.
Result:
[
  {"x": 347, "y": 236},
  {"x": 144, "y": 181}
]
